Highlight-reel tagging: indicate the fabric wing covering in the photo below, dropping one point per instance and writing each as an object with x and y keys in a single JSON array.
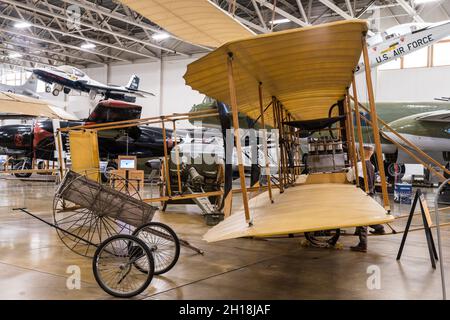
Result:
[
  {"x": 310, "y": 207},
  {"x": 16, "y": 104},
  {"x": 195, "y": 21},
  {"x": 307, "y": 69}
]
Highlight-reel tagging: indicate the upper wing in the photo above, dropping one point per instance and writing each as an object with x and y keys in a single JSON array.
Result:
[
  {"x": 307, "y": 76},
  {"x": 172, "y": 16},
  {"x": 26, "y": 106}
]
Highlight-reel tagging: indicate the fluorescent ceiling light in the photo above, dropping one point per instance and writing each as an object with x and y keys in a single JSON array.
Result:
[
  {"x": 279, "y": 21},
  {"x": 161, "y": 36},
  {"x": 88, "y": 46},
  {"x": 22, "y": 25},
  {"x": 424, "y": 1},
  {"x": 14, "y": 55}
]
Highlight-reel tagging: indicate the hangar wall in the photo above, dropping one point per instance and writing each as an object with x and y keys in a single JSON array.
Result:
[
  {"x": 165, "y": 80},
  {"x": 415, "y": 84},
  {"x": 172, "y": 95}
]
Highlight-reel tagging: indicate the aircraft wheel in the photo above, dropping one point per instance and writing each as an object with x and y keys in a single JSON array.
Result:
[
  {"x": 22, "y": 165},
  {"x": 327, "y": 238},
  {"x": 55, "y": 92},
  {"x": 107, "y": 174},
  {"x": 48, "y": 89}
]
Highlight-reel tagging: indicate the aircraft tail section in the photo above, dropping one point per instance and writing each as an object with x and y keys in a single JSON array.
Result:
[
  {"x": 30, "y": 84},
  {"x": 28, "y": 88},
  {"x": 133, "y": 84}
]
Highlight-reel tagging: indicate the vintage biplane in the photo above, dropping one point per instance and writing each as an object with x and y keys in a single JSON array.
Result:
[{"x": 287, "y": 78}]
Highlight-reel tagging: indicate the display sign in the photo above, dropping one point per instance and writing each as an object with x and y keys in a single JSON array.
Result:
[{"x": 127, "y": 163}]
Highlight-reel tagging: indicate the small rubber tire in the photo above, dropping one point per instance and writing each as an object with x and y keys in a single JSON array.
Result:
[{"x": 147, "y": 252}]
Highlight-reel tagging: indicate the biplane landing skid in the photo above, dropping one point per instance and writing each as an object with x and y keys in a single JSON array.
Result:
[{"x": 305, "y": 208}]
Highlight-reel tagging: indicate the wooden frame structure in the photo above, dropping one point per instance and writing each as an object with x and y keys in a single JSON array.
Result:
[
  {"x": 159, "y": 120},
  {"x": 48, "y": 169}
]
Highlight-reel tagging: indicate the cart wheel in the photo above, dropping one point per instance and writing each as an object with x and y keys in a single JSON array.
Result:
[
  {"x": 163, "y": 243},
  {"x": 92, "y": 221},
  {"x": 123, "y": 266},
  {"x": 323, "y": 238}
]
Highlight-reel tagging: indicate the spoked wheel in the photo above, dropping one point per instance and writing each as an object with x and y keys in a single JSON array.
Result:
[
  {"x": 94, "y": 220},
  {"x": 163, "y": 243},
  {"x": 323, "y": 238},
  {"x": 123, "y": 266}
]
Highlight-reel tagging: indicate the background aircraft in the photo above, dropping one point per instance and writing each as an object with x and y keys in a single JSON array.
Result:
[
  {"x": 66, "y": 78},
  {"x": 27, "y": 89},
  {"x": 430, "y": 131},
  {"x": 28, "y": 141},
  {"x": 403, "y": 39},
  {"x": 425, "y": 124}
]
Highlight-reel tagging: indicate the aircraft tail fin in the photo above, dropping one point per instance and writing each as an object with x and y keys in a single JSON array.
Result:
[
  {"x": 133, "y": 84},
  {"x": 31, "y": 83}
]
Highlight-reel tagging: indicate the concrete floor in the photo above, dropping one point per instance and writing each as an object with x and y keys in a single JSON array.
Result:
[{"x": 33, "y": 261}]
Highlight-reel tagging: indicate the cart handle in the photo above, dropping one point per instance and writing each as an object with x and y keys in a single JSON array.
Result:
[{"x": 24, "y": 210}]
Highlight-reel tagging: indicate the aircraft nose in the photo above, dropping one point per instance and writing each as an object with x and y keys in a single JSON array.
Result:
[
  {"x": 15, "y": 136},
  {"x": 6, "y": 137},
  {"x": 38, "y": 72}
]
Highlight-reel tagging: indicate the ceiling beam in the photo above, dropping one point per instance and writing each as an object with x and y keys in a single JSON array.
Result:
[
  {"x": 23, "y": 59},
  {"x": 82, "y": 38},
  {"x": 33, "y": 37},
  {"x": 123, "y": 18},
  {"x": 283, "y": 13},
  {"x": 342, "y": 13},
  {"x": 336, "y": 9},
  {"x": 349, "y": 7},
  {"x": 24, "y": 53},
  {"x": 8, "y": 63},
  {"x": 444, "y": 10},
  {"x": 43, "y": 49},
  {"x": 91, "y": 26},
  {"x": 258, "y": 12},
  {"x": 410, "y": 10},
  {"x": 250, "y": 24},
  {"x": 302, "y": 11}
]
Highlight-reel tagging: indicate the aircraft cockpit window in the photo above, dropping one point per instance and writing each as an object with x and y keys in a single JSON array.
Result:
[
  {"x": 391, "y": 35},
  {"x": 208, "y": 100},
  {"x": 78, "y": 72},
  {"x": 66, "y": 69}
]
